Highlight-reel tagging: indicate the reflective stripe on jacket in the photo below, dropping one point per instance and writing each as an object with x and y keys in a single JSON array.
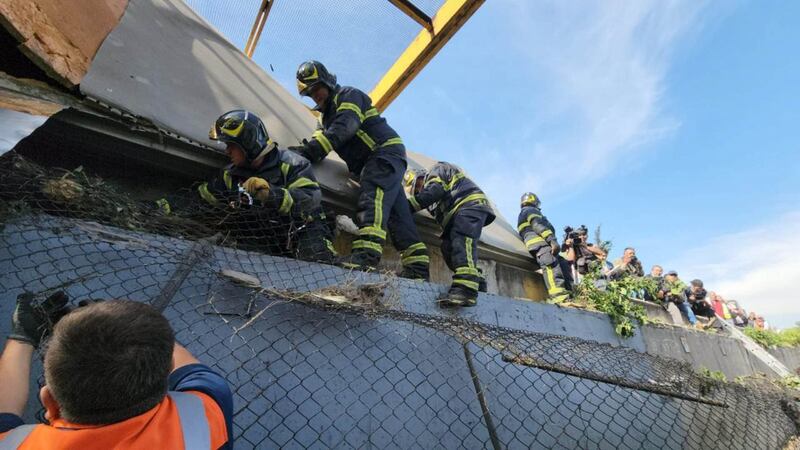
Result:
[
  {"x": 354, "y": 129},
  {"x": 446, "y": 190},
  {"x": 534, "y": 229},
  {"x": 183, "y": 420}
]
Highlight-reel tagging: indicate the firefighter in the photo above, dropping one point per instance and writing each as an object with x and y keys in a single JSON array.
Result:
[
  {"x": 462, "y": 210},
  {"x": 375, "y": 156},
  {"x": 277, "y": 179},
  {"x": 539, "y": 237}
]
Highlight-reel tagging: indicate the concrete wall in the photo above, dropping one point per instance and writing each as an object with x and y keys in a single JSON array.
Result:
[{"x": 789, "y": 356}]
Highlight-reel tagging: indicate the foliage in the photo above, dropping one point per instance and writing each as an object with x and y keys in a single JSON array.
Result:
[
  {"x": 768, "y": 338},
  {"x": 715, "y": 375},
  {"x": 613, "y": 298}
]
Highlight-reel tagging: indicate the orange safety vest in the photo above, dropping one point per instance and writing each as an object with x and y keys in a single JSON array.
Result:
[{"x": 183, "y": 420}]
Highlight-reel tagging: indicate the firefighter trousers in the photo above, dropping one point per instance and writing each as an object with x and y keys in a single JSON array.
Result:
[
  {"x": 553, "y": 276},
  {"x": 460, "y": 249},
  {"x": 382, "y": 206}
]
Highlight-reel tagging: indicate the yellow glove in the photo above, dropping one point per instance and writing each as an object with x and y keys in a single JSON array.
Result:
[{"x": 257, "y": 187}]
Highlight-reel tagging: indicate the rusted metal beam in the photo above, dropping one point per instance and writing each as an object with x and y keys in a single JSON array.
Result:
[
  {"x": 258, "y": 27},
  {"x": 447, "y": 21},
  {"x": 415, "y": 13}
]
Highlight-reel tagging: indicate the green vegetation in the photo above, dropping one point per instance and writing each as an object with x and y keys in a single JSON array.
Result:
[
  {"x": 614, "y": 300},
  {"x": 768, "y": 338},
  {"x": 715, "y": 375}
]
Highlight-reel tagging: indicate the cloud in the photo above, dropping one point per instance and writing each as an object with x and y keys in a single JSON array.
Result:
[
  {"x": 598, "y": 70},
  {"x": 757, "y": 267}
]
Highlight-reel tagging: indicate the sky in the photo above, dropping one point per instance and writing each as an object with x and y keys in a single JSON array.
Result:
[{"x": 672, "y": 124}]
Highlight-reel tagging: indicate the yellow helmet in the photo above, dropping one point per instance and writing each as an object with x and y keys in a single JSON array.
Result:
[
  {"x": 412, "y": 175},
  {"x": 530, "y": 199}
]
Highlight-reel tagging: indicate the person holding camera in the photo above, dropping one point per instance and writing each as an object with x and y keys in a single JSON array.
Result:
[
  {"x": 626, "y": 266},
  {"x": 539, "y": 237},
  {"x": 114, "y": 378},
  {"x": 579, "y": 252}
]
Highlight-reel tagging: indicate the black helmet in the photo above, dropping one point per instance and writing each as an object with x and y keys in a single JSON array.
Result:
[
  {"x": 529, "y": 198},
  {"x": 243, "y": 128},
  {"x": 311, "y": 73}
]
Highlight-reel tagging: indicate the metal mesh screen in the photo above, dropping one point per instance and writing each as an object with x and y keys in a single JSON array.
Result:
[
  {"x": 319, "y": 357},
  {"x": 356, "y": 39}
]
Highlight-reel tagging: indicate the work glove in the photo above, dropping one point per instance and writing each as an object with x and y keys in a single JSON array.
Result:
[
  {"x": 300, "y": 149},
  {"x": 554, "y": 248},
  {"x": 34, "y": 319},
  {"x": 258, "y": 188}
]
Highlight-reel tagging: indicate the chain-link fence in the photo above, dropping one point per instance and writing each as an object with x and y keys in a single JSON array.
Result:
[{"x": 319, "y": 357}]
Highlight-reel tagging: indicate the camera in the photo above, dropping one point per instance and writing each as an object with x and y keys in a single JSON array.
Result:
[{"x": 575, "y": 234}]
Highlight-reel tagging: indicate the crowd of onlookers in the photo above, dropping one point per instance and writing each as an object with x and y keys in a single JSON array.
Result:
[{"x": 693, "y": 300}]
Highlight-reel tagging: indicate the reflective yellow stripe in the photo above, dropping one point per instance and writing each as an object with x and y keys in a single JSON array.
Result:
[
  {"x": 416, "y": 259},
  {"x": 456, "y": 177},
  {"x": 302, "y": 182},
  {"x": 329, "y": 244},
  {"x": 473, "y": 197},
  {"x": 372, "y": 231},
  {"x": 392, "y": 141},
  {"x": 547, "y": 233},
  {"x": 414, "y": 247},
  {"x": 532, "y": 241},
  {"x": 470, "y": 261},
  {"x": 468, "y": 271},
  {"x": 533, "y": 216},
  {"x": 206, "y": 195},
  {"x": 434, "y": 180},
  {"x": 366, "y": 139},
  {"x": 522, "y": 226},
  {"x": 226, "y": 177},
  {"x": 470, "y": 284},
  {"x": 378, "y": 222},
  {"x": 360, "y": 243},
  {"x": 286, "y": 204},
  {"x": 552, "y": 289},
  {"x": 414, "y": 203},
  {"x": 347, "y": 106},
  {"x": 372, "y": 112},
  {"x": 323, "y": 141},
  {"x": 285, "y": 170},
  {"x": 163, "y": 205}
]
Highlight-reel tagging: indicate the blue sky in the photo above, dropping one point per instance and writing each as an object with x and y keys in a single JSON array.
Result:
[{"x": 673, "y": 124}]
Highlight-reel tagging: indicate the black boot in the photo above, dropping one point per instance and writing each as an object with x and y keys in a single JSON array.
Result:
[
  {"x": 357, "y": 261},
  {"x": 457, "y": 296},
  {"x": 415, "y": 272}
]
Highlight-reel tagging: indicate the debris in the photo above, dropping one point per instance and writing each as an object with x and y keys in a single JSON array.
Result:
[{"x": 241, "y": 278}]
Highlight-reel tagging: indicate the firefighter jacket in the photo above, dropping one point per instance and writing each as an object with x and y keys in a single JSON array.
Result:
[
  {"x": 354, "y": 129},
  {"x": 534, "y": 228},
  {"x": 445, "y": 191},
  {"x": 293, "y": 188}
]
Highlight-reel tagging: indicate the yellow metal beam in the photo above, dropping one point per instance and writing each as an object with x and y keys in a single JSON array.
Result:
[
  {"x": 415, "y": 13},
  {"x": 447, "y": 21},
  {"x": 258, "y": 27}
]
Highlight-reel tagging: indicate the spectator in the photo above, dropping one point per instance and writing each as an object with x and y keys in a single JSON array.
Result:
[
  {"x": 720, "y": 308},
  {"x": 655, "y": 275},
  {"x": 656, "y": 272},
  {"x": 738, "y": 316},
  {"x": 114, "y": 378},
  {"x": 751, "y": 319},
  {"x": 578, "y": 251},
  {"x": 673, "y": 290},
  {"x": 696, "y": 295},
  {"x": 628, "y": 265}
]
